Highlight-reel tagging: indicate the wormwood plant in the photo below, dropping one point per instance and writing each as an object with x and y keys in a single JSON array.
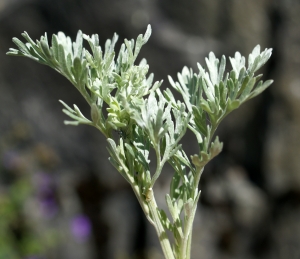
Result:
[{"x": 125, "y": 100}]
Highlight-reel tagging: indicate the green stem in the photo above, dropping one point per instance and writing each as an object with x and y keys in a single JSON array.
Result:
[
  {"x": 185, "y": 246},
  {"x": 186, "y": 238},
  {"x": 189, "y": 245},
  {"x": 161, "y": 233},
  {"x": 197, "y": 178},
  {"x": 142, "y": 202}
]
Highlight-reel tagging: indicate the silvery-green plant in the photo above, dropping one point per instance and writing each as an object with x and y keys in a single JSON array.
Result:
[{"x": 124, "y": 100}]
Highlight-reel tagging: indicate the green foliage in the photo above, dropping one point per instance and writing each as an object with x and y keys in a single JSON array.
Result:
[
  {"x": 23, "y": 203},
  {"x": 148, "y": 120}
]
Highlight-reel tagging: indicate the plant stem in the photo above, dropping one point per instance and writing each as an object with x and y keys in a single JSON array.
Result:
[
  {"x": 185, "y": 246},
  {"x": 183, "y": 243},
  {"x": 189, "y": 245},
  {"x": 142, "y": 202},
  {"x": 186, "y": 237},
  {"x": 161, "y": 233}
]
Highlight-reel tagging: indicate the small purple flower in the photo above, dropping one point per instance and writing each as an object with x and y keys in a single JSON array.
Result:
[
  {"x": 46, "y": 194},
  {"x": 81, "y": 228},
  {"x": 48, "y": 206}
]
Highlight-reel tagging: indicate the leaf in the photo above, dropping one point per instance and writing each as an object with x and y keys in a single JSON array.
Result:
[
  {"x": 14, "y": 52},
  {"x": 174, "y": 186},
  {"x": 243, "y": 86},
  {"x": 259, "y": 89},
  {"x": 200, "y": 118},
  {"x": 249, "y": 86},
  {"x": 109, "y": 62},
  {"x": 129, "y": 51},
  {"x": 256, "y": 59},
  {"x": 212, "y": 64},
  {"x": 95, "y": 115},
  {"x": 54, "y": 47},
  {"x": 45, "y": 48},
  {"x": 204, "y": 157},
  {"x": 74, "y": 114},
  {"x": 215, "y": 148},
  {"x": 207, "y": 87},
  {"x": 222, "y": 68},
  {"x": 147, "y": 34},
  {"x": 77, "y": 68},
  {"x": 223, "y": 95},
  {"x": 20, "y": 45},
  {"x": 237, "y": 63},
  {"x": 164, "y": 220},
  {"x": 232, "y": 105},
  {"x": 72, "y": 123},
  {"x": 130, "y": 159},
  {"x": 63, "y": 62},
  {"x": 205, "y": 106},
  {"x": 173, "y": 210},
  {"x": 66, "y": 106},
  {"x": 77, "y": 45},
  {"x": 138, "y": 46}
]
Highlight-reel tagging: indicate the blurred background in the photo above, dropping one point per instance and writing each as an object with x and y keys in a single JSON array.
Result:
[{"x": 59, "y": 196}]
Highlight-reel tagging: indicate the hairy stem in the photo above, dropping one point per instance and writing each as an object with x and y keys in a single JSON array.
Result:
[
  {"x": 161, "y": 233},
  {"x": 142, "y": 202}
]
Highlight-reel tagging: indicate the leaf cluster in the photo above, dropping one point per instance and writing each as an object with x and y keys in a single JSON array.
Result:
[
  {"x": 100, "y": 76},
  {"x": 209, "y": 97},
  {"x": 146, "y": 119}
]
